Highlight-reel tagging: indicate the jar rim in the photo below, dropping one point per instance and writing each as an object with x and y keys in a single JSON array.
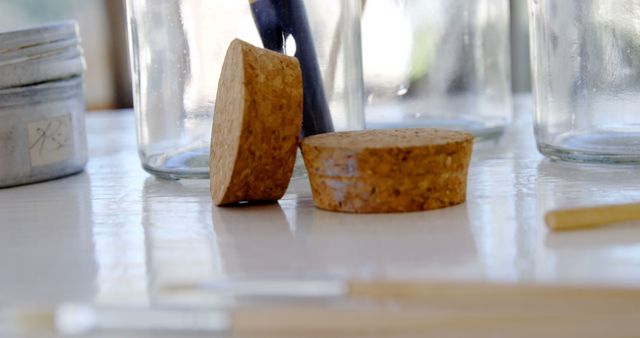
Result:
[
  {"x": 40, "y": 54},
  {"x": 41, "y": 92}
]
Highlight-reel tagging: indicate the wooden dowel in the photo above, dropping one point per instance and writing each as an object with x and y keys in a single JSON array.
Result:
[
  {"x": 451, "y": 296},
  {"x": 592, "y": 217},
  {"x": 290, "y": 321},
  {"x": 463, "y": 309},
  {"x": 497, "y": 297}
]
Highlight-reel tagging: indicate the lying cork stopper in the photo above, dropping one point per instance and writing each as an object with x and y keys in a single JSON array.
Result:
[
  {"x": 381, "y": 171},
  {"x": 257, "y": 123}
]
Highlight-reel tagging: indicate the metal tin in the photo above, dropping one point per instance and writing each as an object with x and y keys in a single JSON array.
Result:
[{"x": 42, "y": 129}]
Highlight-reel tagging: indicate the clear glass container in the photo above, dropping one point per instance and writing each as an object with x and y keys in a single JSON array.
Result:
[
  {"x": 586, "y": 74},
  {"x": 438, "y": 63},
  {"x": 177, "y": 50}
]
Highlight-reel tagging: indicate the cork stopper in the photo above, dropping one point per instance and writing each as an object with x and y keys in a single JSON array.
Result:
[
  {"x": 257, "y": 123},
  {"x": 397, "y": 170}
]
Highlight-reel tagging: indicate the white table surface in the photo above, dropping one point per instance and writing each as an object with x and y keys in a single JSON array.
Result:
[{"x": 114, "y": 233}]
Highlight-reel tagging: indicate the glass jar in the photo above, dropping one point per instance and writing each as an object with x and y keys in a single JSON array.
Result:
[
  {"x": 438, "y": 63},
  {"x": 177, "y": 50},
  {"x": 586, "y": 74}
]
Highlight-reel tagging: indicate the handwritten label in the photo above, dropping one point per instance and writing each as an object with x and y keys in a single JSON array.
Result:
[{"x": 50, "y": 140}]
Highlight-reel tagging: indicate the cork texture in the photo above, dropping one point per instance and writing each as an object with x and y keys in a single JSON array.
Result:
[
  {"x": 381, "y": 171},
  {"x": 257, "y": 123}
]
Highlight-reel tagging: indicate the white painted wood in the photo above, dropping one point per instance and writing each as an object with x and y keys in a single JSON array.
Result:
[{"x": 114, "y": 233}]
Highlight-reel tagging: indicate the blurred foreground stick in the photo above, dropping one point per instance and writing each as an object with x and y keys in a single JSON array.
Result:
[{"x": 592, "y": 217}]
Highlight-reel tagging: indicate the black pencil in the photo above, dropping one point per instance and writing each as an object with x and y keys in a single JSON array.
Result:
[{"x": 276, "y": 20}]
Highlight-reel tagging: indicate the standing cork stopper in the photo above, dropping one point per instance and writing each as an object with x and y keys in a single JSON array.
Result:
[
  {"x": 257, "y": 123},
  {"x": 383, "y": 171}
]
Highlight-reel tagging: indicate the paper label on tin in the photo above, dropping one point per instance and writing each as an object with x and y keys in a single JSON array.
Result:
[{"x": 50, "y": 140}]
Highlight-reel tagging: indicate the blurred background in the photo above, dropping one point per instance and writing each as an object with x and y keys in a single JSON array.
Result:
[{"x": 104, "y": 39}]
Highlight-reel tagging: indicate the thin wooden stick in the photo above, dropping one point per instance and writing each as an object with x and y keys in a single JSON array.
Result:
[
  {"x": 500, "y": 297},
  {"x": 382, "y": 322},
  {"x": 592, "y": 217},
  {"x": 344, "y": 320},
  {"x": 453, "y": 296}
]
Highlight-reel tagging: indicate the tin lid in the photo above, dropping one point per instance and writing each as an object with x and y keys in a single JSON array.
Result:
[
  {"x": 44, "y": 53},
  {"x": 14, "y": 40},
  {"x": 40, "y": 93}
]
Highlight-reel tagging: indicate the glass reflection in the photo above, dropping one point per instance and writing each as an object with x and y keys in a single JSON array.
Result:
[
  {"x": 294, "y": 239},
  {"x": 179, "y": 239}
]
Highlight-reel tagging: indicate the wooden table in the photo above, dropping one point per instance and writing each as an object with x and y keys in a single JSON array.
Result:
[{"x": 114, "y": 234}]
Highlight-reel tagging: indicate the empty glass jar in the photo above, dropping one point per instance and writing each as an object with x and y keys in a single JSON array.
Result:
[
  {"x": 586, "y": 71},
  {"x": 438, "y": 63},
  {"x": 177, "y": 51}
]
